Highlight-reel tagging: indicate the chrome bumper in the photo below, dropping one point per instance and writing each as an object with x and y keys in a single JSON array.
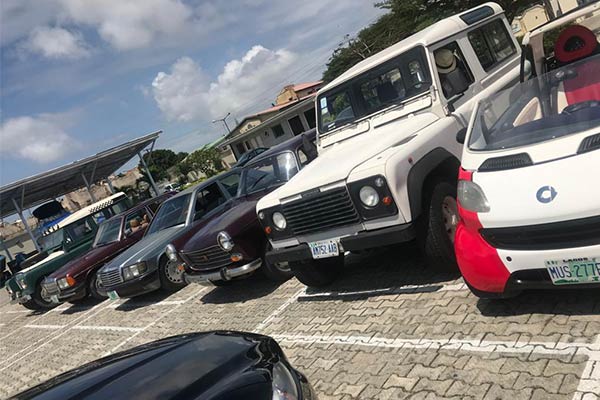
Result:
[{"x": 224, "y": 274}]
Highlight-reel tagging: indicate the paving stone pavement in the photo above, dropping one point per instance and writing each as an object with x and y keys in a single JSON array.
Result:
[{"x": 388, "y": 329}]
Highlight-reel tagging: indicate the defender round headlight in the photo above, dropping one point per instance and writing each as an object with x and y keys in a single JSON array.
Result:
[
  {"x": 369, "y": 196},
  {"x": 171, "y": 252},
  {"x": 279, "y": 221},
  {"x": 225, "y": 241}
]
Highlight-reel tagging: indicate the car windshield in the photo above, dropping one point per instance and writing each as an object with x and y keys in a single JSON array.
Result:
[
  {"x": 77, "y": 230},
  {"x": 270, "y": 171},
  {"x": 559, "y": 103},
  {"x": 171, "y": 213},
  {"x": 392, "y": 82},
  {"x": 108, "y": 232}
]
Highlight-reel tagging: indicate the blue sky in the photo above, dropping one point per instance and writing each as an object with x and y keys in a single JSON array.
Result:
[{"x": 78, "y": 76}]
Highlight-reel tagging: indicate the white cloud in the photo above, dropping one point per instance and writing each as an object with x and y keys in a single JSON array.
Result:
[
  {"x": 130, "y": 24},
  {"x": 185, "y": 93},
  {"x": 41, "y": 138},
  {"x": 56, "y": 43}
]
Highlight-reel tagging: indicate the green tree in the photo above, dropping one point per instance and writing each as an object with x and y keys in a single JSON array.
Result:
[
  {"x": 205, "y": 160},
  {"x": 159, "y": 161},
  {"x": 402, "y": 20}
]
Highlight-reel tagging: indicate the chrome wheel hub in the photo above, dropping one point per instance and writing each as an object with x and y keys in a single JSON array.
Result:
[
  {"x": 450, "y": 216},
  {"x": 173, "y": 273}
]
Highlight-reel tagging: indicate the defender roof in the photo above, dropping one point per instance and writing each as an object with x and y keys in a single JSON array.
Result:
[
  {"x": 432, "y": 34},
  {"x": 89, "y": 210}
]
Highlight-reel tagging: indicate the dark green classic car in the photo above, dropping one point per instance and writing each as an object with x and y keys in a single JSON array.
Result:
[{"x": 78, "y": 231}]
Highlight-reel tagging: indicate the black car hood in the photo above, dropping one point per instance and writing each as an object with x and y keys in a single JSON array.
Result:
[{"x": 213, "y": 365}]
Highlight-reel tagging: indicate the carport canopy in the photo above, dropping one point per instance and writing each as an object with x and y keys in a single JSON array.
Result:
[{"x": 38, "y": 189}]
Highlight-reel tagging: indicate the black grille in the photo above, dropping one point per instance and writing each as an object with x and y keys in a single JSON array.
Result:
[
  {"x": 208, "y": 258},
  {"x": 507, "y": 162},
  {"x": 558, "y": 235},
  {"x": 589, "y": 143},
  {"x": 110, "y": 278},
  {"x": 321, "y": 211}
]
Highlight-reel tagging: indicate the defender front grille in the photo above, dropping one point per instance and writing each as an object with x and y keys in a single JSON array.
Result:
[
  {"x": 110, "y": 278},
  {"x": 326, "y": 210},
  {"x": 208, "y": 258},
  {"x": 557, "y": 235}
]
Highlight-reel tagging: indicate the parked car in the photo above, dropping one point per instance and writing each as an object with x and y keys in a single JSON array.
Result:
[
  {"x": 218, "y": 365},
  {"x": 77, "y": 233},
  {"x": 232, "y": 244},
  {"x": 249, "y": 155},
  {"x": 530, "y": 215},
  {"x": 388, "y": 154},
  {"x": 172, "y": 187},
  {"x": 78, "y": 278},
  {"x": 145, "y": 267}
]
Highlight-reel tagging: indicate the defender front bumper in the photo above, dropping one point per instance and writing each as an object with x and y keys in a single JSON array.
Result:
[
  {"x": 359, "y": 241},
  {"x": 224, "y": 274}
]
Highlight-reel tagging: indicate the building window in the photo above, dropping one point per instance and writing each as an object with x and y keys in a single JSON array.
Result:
[
  {"x": 240, "y": 149},
  {"x": 311, "y": 118},
  {"x": 492, "y": 44},
  {"x": 277, "y": 131},
  {"x": 296, "y": 125}
]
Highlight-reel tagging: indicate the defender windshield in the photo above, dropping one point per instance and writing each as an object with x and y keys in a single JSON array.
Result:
[
  {"x": 269, "y": 172},
  {"x": 559, "y": 103},
  {"x": 171, "y": 213},
  {"x": 389, "y": 84},
  {"x": 108, "y": 232}
]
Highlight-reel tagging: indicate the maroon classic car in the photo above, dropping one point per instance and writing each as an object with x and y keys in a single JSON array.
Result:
[
  {"x": 232, "y": 243},
  {"x": 77, "y": 279}
]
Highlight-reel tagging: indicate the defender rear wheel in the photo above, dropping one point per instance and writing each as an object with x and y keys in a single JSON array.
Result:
[
  {"x": 318, "y": 273},
  {"x": 437, "y": 226}
]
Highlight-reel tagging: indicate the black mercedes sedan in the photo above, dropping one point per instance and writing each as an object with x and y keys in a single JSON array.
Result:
[{"x": 215, "y": 365}]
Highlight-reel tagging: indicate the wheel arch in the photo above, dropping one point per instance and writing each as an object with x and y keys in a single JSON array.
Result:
[{"x": 438, "y": 163}]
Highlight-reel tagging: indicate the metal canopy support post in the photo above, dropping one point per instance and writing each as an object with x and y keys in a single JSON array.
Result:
[
  {"x": 27, "y": 228},
  {"x": 149, "y": 174},
  {"x": 89, "y": 188},
  {"x": 110, "y": 185}
]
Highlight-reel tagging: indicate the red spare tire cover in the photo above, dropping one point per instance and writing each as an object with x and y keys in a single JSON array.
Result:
[{"x": 574, "y": 32}]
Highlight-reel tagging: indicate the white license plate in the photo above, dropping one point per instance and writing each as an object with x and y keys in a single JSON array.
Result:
[
  {"x": 113, "y": 295},
  {"x": 574, "y": 271},
  {"x": 54, "y": 298},
  {"x": 324, "y": 249}
]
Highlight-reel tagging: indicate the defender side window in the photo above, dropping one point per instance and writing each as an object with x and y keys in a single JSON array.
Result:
[
  {"x": 492, "y": 44},
  {"x": 455, "y": 75}
]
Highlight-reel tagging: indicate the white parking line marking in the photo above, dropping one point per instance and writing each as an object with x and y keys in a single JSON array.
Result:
[
  {"x": 52, "y": 327},
  {"x": 151, "y": 324},
  {"x": 480, "y": 346},
  {"x": 17, "y": 311},
  {"x": 107, "y": 328},
  {"x": 589, "y": 384},
  {"x": 392, "y": 291},
  {"x": 279, "y": 310},
  {"x": 149, "y": 304}
]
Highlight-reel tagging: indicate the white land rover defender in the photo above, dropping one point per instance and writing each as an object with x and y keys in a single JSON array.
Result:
[{"x": 388, "y": 148}]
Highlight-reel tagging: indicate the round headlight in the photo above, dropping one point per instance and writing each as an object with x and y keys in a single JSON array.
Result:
[
  {"x": 171, "y": 252},
  {"x": 225, "y": 241},
  {"x": 279, "y": 221},
  {"x": 369, "y": 196}
]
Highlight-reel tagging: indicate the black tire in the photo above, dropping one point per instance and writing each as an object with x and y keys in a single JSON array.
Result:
[
  {"x": 31, "y": 305},
  {"x": 95, "y": 290},
  {"x": 318, "y": 273},
  {"x": 433, "y": 238},
  {"x": 39, "y": 301},
  {"x": 276, "y": 272},
  {"x": 167, "y": 279}
]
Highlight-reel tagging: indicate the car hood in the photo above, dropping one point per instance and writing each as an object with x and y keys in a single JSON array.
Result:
[
  {"x": 336, "y": 162},
  {"x": 233, "y": 220},
  {"x": 50, "y": 257},
  {"x": 213, "y": 365},
  {"x": 88, "y": 260},
  {"x": 146, "y": 249}
]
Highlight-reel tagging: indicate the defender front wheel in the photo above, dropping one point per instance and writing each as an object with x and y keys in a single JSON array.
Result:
[
  {"x": 318, "y": 273},
  {"x": 437, "y": 226}
]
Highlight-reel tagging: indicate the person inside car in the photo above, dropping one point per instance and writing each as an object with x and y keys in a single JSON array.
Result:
[
  {"x": 134, "y": 225},
  {"x": 452, "y": 77}
]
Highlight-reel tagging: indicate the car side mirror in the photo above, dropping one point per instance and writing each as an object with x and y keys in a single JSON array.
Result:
[{"x": 461, "y": 135}]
